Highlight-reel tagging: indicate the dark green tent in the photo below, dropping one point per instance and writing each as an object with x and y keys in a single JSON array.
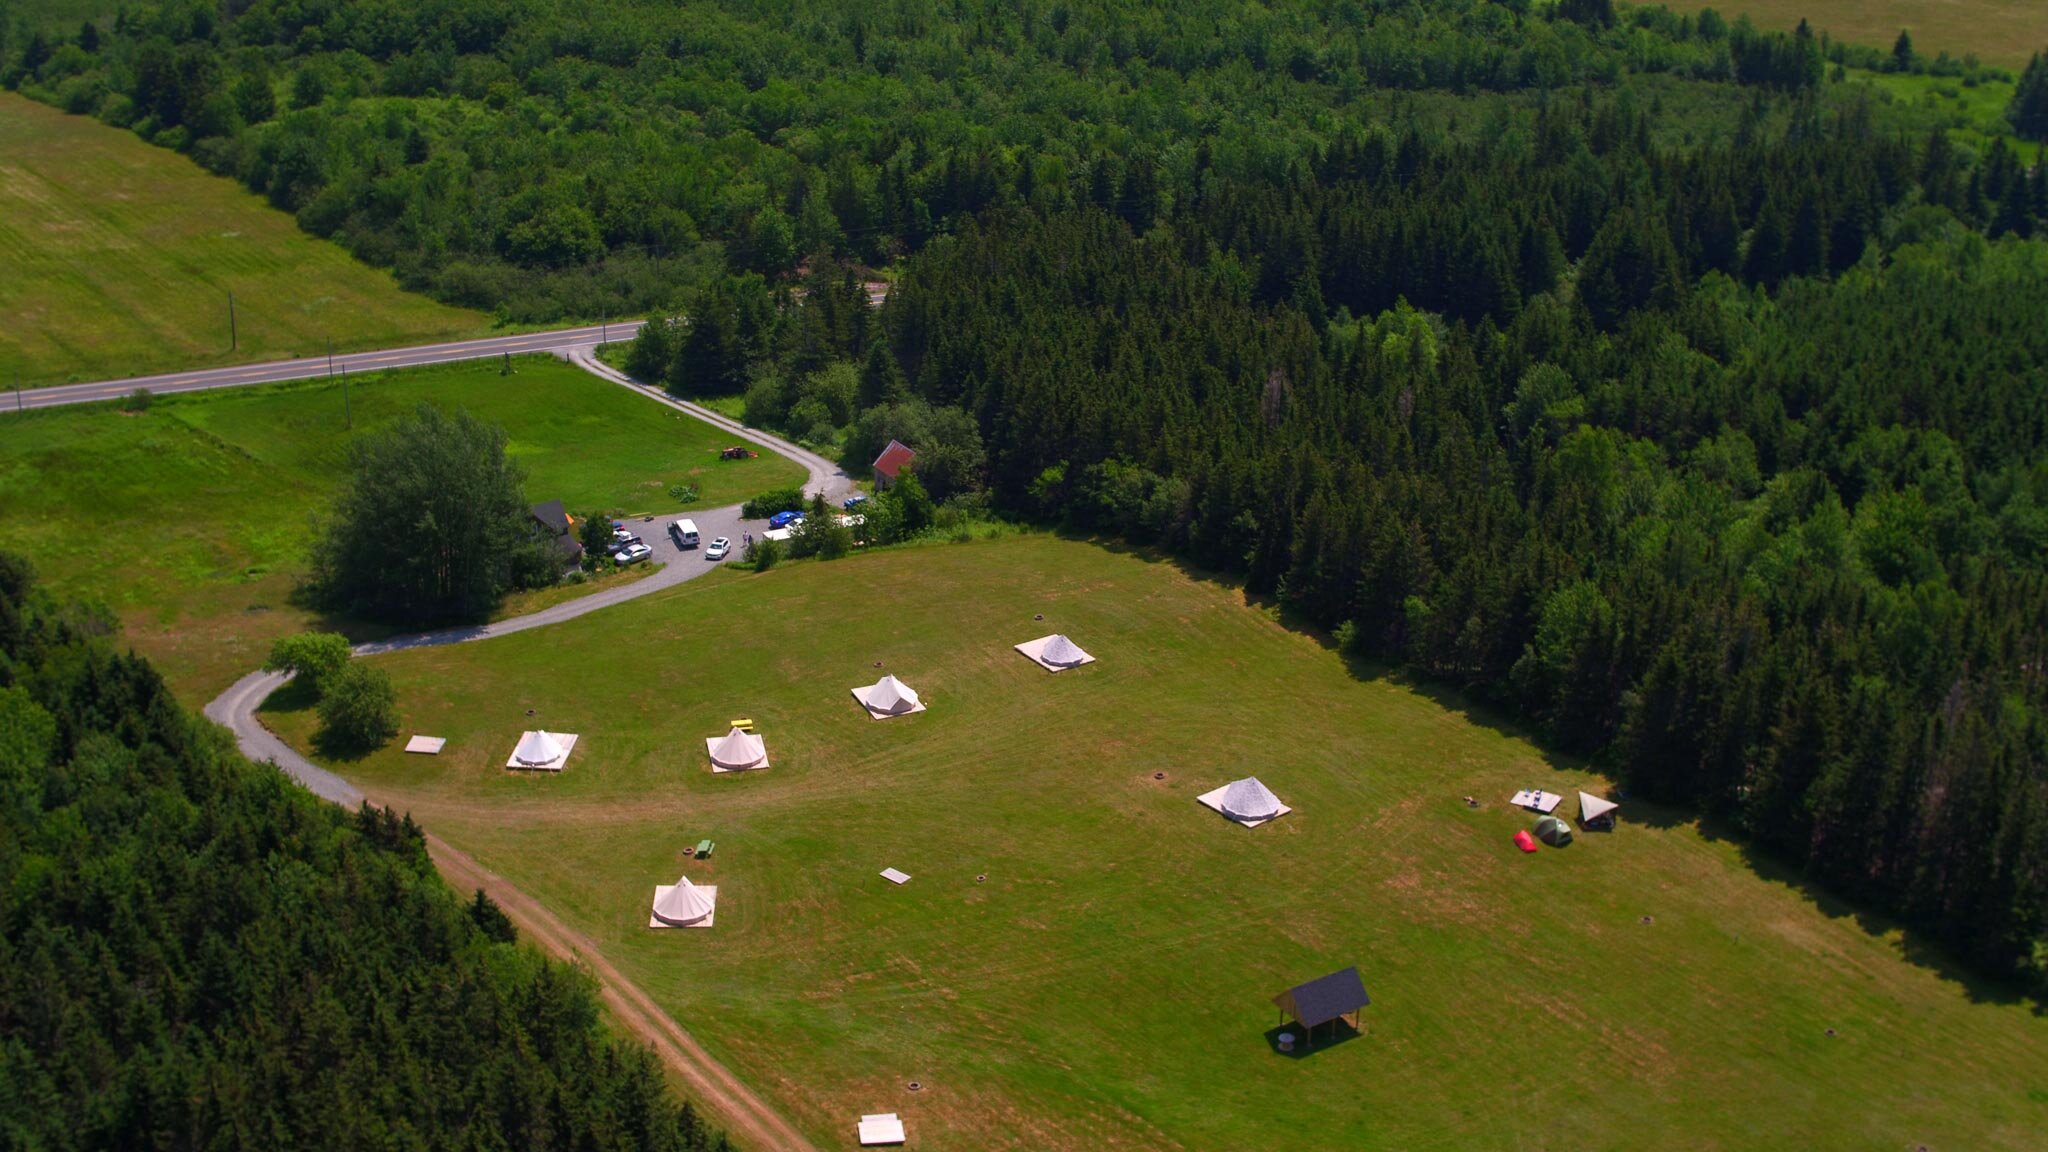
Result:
[{"x": 1553, "y": 832}]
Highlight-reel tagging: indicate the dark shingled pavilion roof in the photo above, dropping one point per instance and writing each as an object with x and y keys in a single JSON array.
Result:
[{"x": 1325, "y": 998}]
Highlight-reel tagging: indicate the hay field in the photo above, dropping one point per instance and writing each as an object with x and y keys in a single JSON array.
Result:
[{"x": 120, "y": 257}]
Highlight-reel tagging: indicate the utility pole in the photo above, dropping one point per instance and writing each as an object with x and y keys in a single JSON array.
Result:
[
  {"x": 330, "y": 359},
  {"x": 347, "y": 412},
  {"x": 234, "y": 342}
]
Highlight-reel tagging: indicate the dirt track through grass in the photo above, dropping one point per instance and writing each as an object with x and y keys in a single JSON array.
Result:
[{"x": 706, "y": 1083}]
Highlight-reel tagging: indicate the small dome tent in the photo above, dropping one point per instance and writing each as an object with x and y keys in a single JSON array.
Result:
[{"x": 1553, "y": 832}]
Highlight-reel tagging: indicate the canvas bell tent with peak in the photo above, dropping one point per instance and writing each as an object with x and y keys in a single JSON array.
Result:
[
  {"x": 683, "y": 905},
  {"x": 542, "y": 751},
  {"x": 1247, "y": 801},
  {"x": 888, "y": 697},
  {"x": 1054, "y": 653},
  {"x": 736, "y": 751}
]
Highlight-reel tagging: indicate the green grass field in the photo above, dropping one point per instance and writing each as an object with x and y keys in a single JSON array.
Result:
[
  {"x": 192, "y": 519},
  {"x": 120, "y": 256},
  {"x": 1999, "y": 31},
  {"x": 1106, "y": 985}
]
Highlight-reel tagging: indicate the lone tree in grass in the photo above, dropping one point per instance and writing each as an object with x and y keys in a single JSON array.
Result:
[
  {"x": 431, "y": 525},
  {"x": 595, "y": 534},
  {"x": 358, "y": 709},
  {"x": 312, "y": 657}
]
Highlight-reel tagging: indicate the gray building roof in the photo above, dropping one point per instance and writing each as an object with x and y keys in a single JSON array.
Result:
[
  {"x": 1325, "y": 998},
  {"x": 552, "y": 516}
]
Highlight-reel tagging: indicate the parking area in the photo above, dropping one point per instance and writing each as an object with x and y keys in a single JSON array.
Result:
[{"x": 711, "y": 524}]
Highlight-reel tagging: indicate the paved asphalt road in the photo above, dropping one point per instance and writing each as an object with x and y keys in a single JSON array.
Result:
[
  {"x": 714, "y": 1087},
  {"x": 236, "y": 708},
  {"x": 560, "y": 341}
]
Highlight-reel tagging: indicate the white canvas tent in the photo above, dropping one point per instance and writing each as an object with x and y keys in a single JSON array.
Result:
[
  {"x": 543, "y": 751},
  {"x": 1247, "y": 801},
  {"x": 1054, "y": 653},
  {"x": 683, "y": 905},
  {"x": 736, "y": 751},
  {"x": 888, "y": 697},
  {"x": 1593, "y": 808},
  {"x": 536, "y": 748}
]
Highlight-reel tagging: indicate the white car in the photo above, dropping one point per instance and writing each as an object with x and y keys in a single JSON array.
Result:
[
  {"x": 718, "y": 549},
  {"x": 633, "y": 553}
]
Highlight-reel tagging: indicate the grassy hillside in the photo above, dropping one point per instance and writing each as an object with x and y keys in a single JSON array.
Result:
[
  {"x": 1084, "y": 956},
  {"x": 120, "y": 257},
  {"x": 192, "y": 520},
  {"x": 1998, "y": 31}
]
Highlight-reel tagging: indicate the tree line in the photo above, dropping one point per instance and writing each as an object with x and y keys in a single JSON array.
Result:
[
  {"x": 198, "y": 954},
  {"x": 1725, "y": 465},
  {"x": 547, "y": 159}
]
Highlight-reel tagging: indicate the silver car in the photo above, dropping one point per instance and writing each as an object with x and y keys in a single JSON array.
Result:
[{"x": 718, "y": 549}]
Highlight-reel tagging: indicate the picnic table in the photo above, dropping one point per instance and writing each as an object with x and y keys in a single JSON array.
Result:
[
  {"x": 704, "y": 848},
  {"x": 1536, "y": 799}
]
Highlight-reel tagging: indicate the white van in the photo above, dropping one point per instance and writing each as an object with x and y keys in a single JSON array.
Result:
[{"x": 685, "y": 532}]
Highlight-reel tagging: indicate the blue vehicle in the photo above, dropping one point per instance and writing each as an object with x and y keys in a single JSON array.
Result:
[
  {"x": 854, "y": 501},
  {"x": 784, "y": 519}
]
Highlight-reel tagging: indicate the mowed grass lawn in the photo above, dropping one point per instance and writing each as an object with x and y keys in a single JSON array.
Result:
[
  {"x": 1107, "y": 984},
  {"x": 120, "y": 256},
  {"x": 192, "y": 520},
  {"x": 1998, "y": 31}
]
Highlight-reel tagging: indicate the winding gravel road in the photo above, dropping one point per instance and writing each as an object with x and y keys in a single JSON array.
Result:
[{"x": 751, "y": 1120}]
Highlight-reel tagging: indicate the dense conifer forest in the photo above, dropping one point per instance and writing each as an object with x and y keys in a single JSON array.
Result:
[
  {"x": 1610, "y": 364},
  {"x": 197, "y": 953}
]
